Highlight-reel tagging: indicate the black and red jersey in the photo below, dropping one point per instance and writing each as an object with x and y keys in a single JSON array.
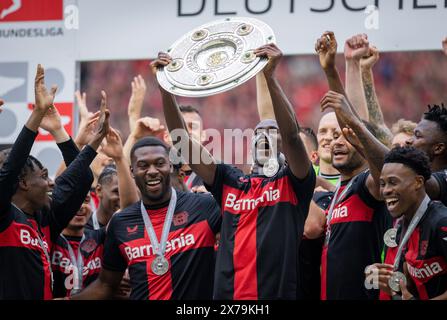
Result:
[
  {"x": 24, "y": 267},
  {"x": 425, "y": 253},
  {"x": 262, "y": 227},
  {"x": 91, "y": 248},
  {"x": 441, "y": 178},
  {"x": 356, "y": 241},
  {"x": 310, "y": 255},
  {"x": 189, "y": 249}
]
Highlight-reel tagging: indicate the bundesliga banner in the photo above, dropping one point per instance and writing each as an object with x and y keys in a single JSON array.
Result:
[{"x": 32, "y": 32}]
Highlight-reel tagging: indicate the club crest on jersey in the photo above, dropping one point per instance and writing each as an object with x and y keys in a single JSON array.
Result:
[
  {"x": 180, "y": 218},
  {"x": 89, "y": 245}
]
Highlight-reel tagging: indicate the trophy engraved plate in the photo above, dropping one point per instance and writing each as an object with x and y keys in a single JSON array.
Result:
[{"x": 215, "y": 57}]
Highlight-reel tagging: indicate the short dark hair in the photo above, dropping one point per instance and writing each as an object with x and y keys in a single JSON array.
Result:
[
  {"x": 411, "y": 157},
  {"x": 188, "y": 108},
  {"x": 107, "y": 174},
  {"x": 148, "y": 142},
  {"x": 308, "y": 132},
  {"x": 437, "y": 114}
]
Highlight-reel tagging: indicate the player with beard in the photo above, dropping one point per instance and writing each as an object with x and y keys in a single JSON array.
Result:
[
  {"x": 423, "y": 260},
  {"x": 356, "y": 218},
  {"x": 166, "y": 240},
  {"x": 34, "y": 209},
  {"x": 264, "y": 212}
]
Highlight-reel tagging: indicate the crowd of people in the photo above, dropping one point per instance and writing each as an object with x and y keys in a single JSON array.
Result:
[{"x": 351, "y": 209}]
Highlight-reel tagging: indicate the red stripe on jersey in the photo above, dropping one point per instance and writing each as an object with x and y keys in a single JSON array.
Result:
[
  {"x": 195, "y": 236},
  {"x": 160, "y": 287},
  {"x": 238, "y": 201},
  {"x": 352, "y": 209},
  {"x": 389, "y": 259},
  {"x": 198, "y": 235},
  {"x": 245, "y": 258},
  {"x": 23, "y": 236},
  {"x": 323, "y": 294}
]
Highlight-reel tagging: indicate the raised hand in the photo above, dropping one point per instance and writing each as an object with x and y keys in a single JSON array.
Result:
[
  {"x": 138, "y": 92},
  {"x": 335, "y": 101},
  {"x": 356, "y": 47},
  {"x": 103, "y": 123},
  {"x": 81, "y": 100},
  {"x": 162, "y": 61},
  {"x": 444, "y": 46},
  {"x": 368, "y": 61},
  {"x": 136, "y": 100},
  {"x": 326, "y": 47},
  {"x": 86, "y": 130},
  {"x": 51, "y": 122},
  {"x": 44, "y": 99},
  {"x": 273, "y": 53},
  {"x": 113, "y": 148},
  {"x": 148, "y": 126}
]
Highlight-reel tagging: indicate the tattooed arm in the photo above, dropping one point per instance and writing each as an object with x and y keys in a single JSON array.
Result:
[{"x": 375, "y": 112}]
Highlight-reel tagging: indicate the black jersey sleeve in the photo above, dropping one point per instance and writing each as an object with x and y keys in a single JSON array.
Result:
[
  {"x": 69, "y": 151},
  {"x": 212, "y": 210},
  {"x": 304, "y": 188},
  {"x": 441, "y": 178},
  {"x": 70, "y": 190},
  {"x": 9, "y": 172},
  {"x": 112, "y": 258},
  {"x": 225, "y": 174}
]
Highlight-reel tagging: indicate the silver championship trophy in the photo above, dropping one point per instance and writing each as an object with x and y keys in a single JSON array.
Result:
[{"x": 215, "y": 57}]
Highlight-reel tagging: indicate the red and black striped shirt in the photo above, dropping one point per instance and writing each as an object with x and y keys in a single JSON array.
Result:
[
  {"x": 24, "y": 268},
  {"x": 356, "y": 241},
  {"x": 189, "y": 250},
  {"x": 425, "y": 254},
  {"x": 92, "y": 247},
  {"x": 262, "y": 227}
]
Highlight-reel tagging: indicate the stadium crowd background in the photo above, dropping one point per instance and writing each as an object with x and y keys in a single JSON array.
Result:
[{"x": 406, "y": 82}]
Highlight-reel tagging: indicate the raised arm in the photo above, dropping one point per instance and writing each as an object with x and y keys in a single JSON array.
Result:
[
  {"x": 263, "y": 99},
  {"x": 199, "y": 159},
  {"x": 74, "y": 183},
  {"x": 13, "y": 165},
  {"x": 374, "y": 150},
  {"x": 126, "y": 185},
  {"x": 326, "y": 47},
  {"x": 136, "y": 101},
  {"x": 355, "y": 48},
  {"x": 372, "y": 102},
  {"x": 293, "y": 147}
]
